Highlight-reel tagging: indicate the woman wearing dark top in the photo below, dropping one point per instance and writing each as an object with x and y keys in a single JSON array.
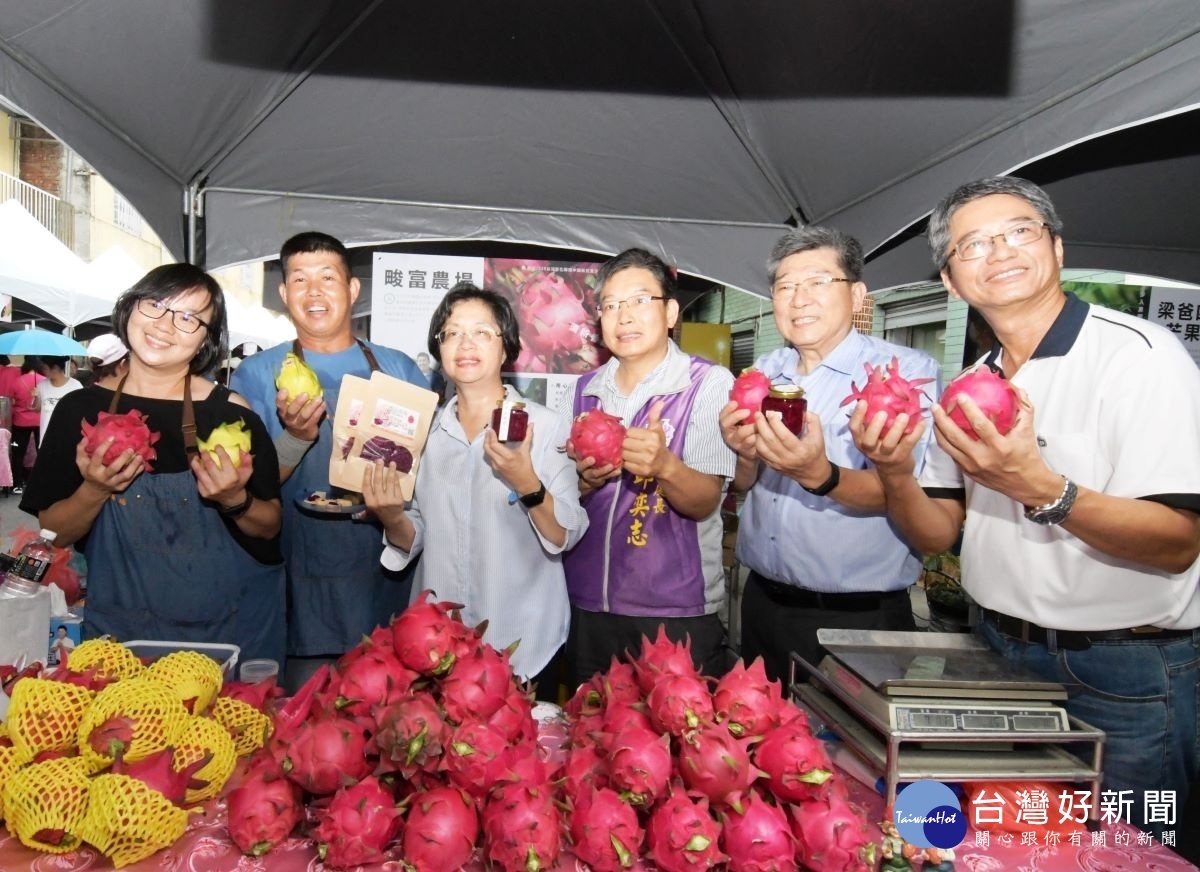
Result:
[{"x": 187, "y": 550}]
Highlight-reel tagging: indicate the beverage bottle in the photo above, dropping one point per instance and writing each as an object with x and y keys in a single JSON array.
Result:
[{"x": 31, "y": 565}]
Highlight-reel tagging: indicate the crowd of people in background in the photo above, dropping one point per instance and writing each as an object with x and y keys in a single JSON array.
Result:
[{"x": 1080, "y": 528}]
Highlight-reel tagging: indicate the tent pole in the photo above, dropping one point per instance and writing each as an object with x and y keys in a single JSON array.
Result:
[{"x": 193, "y": 208}]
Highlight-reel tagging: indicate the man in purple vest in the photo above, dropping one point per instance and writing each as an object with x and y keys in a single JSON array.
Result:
[{"x": 652, "y": 553}]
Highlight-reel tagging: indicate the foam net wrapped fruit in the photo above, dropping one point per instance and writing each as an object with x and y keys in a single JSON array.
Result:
[
  {"x": 131, "y": 719},
  {"x": 128, "y": 821},
  {"x": 44, "y": 716},
  {"x": 45, "y": 804}
]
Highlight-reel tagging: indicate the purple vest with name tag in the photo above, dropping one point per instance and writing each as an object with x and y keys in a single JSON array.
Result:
[{"x": 639, "y": 556}]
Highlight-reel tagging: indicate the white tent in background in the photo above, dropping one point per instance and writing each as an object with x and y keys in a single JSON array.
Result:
[
  {"x": 113, "y": 273},
  {"x": 256, "y": 325}
]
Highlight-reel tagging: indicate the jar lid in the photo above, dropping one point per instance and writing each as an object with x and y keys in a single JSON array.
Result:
[
  {"x": 514, "y": 403},
  {"x": 787, "y": 392}
]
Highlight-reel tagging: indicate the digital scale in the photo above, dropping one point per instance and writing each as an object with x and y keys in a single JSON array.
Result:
[{"x": 944, "y": 706}]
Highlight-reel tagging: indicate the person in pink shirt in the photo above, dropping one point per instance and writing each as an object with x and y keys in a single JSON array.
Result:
[{"x": 25, "y": 419}]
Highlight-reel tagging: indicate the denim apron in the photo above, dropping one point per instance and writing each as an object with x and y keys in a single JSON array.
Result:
[{"x": 163, "y": 566}]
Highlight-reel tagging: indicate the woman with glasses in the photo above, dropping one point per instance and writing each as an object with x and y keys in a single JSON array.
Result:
[
  {"x": 180, "y": 545},
  {"x": 492, "y": 518}
]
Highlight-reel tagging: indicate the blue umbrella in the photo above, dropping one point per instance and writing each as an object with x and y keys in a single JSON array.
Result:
[{"x": 40, "y": 342}]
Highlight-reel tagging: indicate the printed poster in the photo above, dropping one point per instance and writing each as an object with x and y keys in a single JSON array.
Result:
[{"x": 1178, "y": 309}]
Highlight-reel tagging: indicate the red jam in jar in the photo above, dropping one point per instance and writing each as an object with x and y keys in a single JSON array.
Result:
[
  {"x": 789, "y": 402},
  {"x": 509, "y": 421}
]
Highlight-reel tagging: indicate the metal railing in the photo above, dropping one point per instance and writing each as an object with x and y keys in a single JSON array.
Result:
[{"x": 56, "y": 215}]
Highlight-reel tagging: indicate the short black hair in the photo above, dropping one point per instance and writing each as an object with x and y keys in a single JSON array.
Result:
[
  {"x": 311, "y": 241},
  {"x": 639, "y": 258},
  {"x": 54, "y": 361},
  {"x": 170, "y": 282},
  {"x": 510, "y": 333}
]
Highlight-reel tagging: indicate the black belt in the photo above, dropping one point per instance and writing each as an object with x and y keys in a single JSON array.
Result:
[
  {"x": 798, "y": 597},
  {"x": 1078, "y": 640}
]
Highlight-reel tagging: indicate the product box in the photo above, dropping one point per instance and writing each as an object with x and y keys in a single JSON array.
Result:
[{"x": 64, "y": 636}]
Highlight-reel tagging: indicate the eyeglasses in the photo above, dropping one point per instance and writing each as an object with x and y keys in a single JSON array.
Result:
[
  {"x": 479, "y": 335},
  {"x": 1019, "y": 234},
  {"x": 811, "y": 285},
  {"x": 185, "y": 322},
  {"x": 640, "y": 301}
]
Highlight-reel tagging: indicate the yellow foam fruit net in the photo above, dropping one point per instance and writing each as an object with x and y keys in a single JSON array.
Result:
[
  {"x": 10, "y": 762},
  {"x": 128, "y": 821},
  {"x": 108, "y": 658},
  {"x": 45, "y": 804},
  {"x": 45, "y": 715},
  {"x": 195, "y": 677},
  {"x": 151, "y": 711},
  {"x": 249, "y": 727},
  {"x": 200, "y": 738}
]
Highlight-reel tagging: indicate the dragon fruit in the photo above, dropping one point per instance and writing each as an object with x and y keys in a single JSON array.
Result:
[
  {"x": 358, "y": 825},
  {"x": 156, "y": 772},
  {"x": 474, "y": 758},
  {"x": 425, "y": 636},
  {"x": 639, "y": 764},
  {"x": 412, "y": 732},
  {"x": 256, "y": 694},
  {"x": 746, "y": 701},
  {"x": 327, "y": 753},
  {"x": 113, "y": 736},
  {"x": 599, "y": 436},
  {"x": 128, "y": 431},
  {"x": 605, "y": 831},
  {"x": 478, "y": 684},
  {"x": 715, "y": 764},
  {"x": 992, "y": 393},
  {"x": 263, "y": 809},
  {"x": 297, "y": 377},
  {"x": 888, "y": 391},
  {"x": 749, "y": 390},
  {"x": 560, "y": 323},
  {"x": 661, "y": 658},
  {"x": 758, "y": 838},
  {"x": 831, "y": 836},
  {"x": 377, "y": 678},
  {"x": 441, "y": 830},
  {"x": 234, "y": 438},
  {"x": 620, "y": 716},
  {"x": 795, "y": 761},
  {"x": 683, "y": 836},
  {"x": 586, "y": 768},
  {"x": 522, "y": 828},
  {"x": 514, "y": 719},
  {"x": 679, "y": 703}
]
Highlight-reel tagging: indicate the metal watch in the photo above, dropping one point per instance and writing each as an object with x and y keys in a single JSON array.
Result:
[
  {"x": 1057, "y": 511},
  {"x": 534, "y": 499}
]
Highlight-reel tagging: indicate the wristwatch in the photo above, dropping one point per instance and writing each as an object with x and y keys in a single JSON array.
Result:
[
  {"x": 835, "y": 478},
  {"x": 534, "y": 499},
  {"x": 1057, "y": 511}
]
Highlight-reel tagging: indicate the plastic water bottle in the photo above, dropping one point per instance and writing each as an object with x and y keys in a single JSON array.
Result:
[{"x": 25, "y": 576}]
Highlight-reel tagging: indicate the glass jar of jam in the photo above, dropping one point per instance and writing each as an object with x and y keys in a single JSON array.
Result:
[
  {"x": 789, "y": 402},
  {"x": 509, "y": 421}
]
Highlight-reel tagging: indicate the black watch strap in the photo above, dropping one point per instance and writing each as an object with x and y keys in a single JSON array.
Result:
[
  {"x": 536, "y": 498},
  {"x": 835, "y": 476}
]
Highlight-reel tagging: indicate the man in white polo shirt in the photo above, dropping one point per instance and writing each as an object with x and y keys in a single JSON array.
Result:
[{"x": 1083, "y": 523}]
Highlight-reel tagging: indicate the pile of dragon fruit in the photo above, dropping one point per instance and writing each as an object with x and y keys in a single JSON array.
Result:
[{"x": 420, "y": 745}]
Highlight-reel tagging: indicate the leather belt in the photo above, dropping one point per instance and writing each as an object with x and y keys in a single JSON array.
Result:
[
  {"x": 1078, "y": 640},
  {"x": 798, "y": 597}
]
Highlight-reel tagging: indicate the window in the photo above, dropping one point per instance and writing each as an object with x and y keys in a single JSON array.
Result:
[
  {"x": 741, "y": 355},
  {"x": 125, "y": 216}
]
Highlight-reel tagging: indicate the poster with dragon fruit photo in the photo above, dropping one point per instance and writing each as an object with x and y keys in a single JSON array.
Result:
[{"x": 555, "y": 305}]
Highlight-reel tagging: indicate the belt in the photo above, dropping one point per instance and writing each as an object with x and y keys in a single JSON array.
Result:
[
  {"x": 798, "y": 597},
  {"x": 1078, "y": 640}
]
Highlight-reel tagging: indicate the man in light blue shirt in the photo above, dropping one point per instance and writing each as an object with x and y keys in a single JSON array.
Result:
[{"x": 813, "y": 530}]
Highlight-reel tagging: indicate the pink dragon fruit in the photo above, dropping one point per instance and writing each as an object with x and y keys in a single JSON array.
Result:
[
  {"x": 715, "y": 764},
  {"x": 586, "y": 768},
  {"x": 381, "y": 637},
  {"x": 156, "y": 772},
  {"x": 478, "y": 684},
  {"x": 831, "y": 836},
  {"x": 605, "y": 831},
  {"x": 679, "y": 703},
  {"x": 599, "y": 436},
  {"x": 263, "y": 810},
  {"x": 639, "y": 764},
  {"x": 257, "y": 694},
  {"x": 663, "y": 657},
  {"x": 749, "y": 390},
  {"x": 358, "y": 825},
  {"x": 621, "y": 716},
  {"x": 377, "y": 678},
  {"x": 522, "y": 828},
  {"x": 474, "y": 758},
  {"x": 795, "y": 761},
  {"x": 424, "y": 635},
  {"x": 128, "y": 431},
  {"x": 746, "y": 701},
  {"x": 888, "y": 391},
  {"x": 993, "y": 393},
  {"x": 620, "y": 683},
  {"x": 758, "y": 838},
  {"x": 441, "y": 830},
  {"x": 560, "y": 323},
  {"x": 412, "y": 733},
  {"x": 683, "y": 836},
  {"x": 327, "y": 753},
  {"x": 514, "y": 719}
]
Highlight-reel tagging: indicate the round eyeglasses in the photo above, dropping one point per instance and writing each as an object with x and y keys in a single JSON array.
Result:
[
  {"x": 185, "y": 322},
  {"x": 478, "y": 335},
  {"x": 1025, "y": 233}
]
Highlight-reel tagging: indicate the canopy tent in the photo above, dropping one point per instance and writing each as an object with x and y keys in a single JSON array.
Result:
[{"x": 699, "y": 129}]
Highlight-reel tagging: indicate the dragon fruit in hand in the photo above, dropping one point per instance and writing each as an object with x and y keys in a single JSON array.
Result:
[
  {"x": 234, "y": 438},
  {"x": 992, "y": 393},
  {"x": 749, "y": 390},
  {"x": 888, "y": 391},
  {"x": 297, "y": 377},
  {"x": 598, "y": 435},
  {"x": 128, "y": 431}
]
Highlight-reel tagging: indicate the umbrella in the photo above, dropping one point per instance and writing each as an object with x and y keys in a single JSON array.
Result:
[{"x": 40, "y": 342}]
